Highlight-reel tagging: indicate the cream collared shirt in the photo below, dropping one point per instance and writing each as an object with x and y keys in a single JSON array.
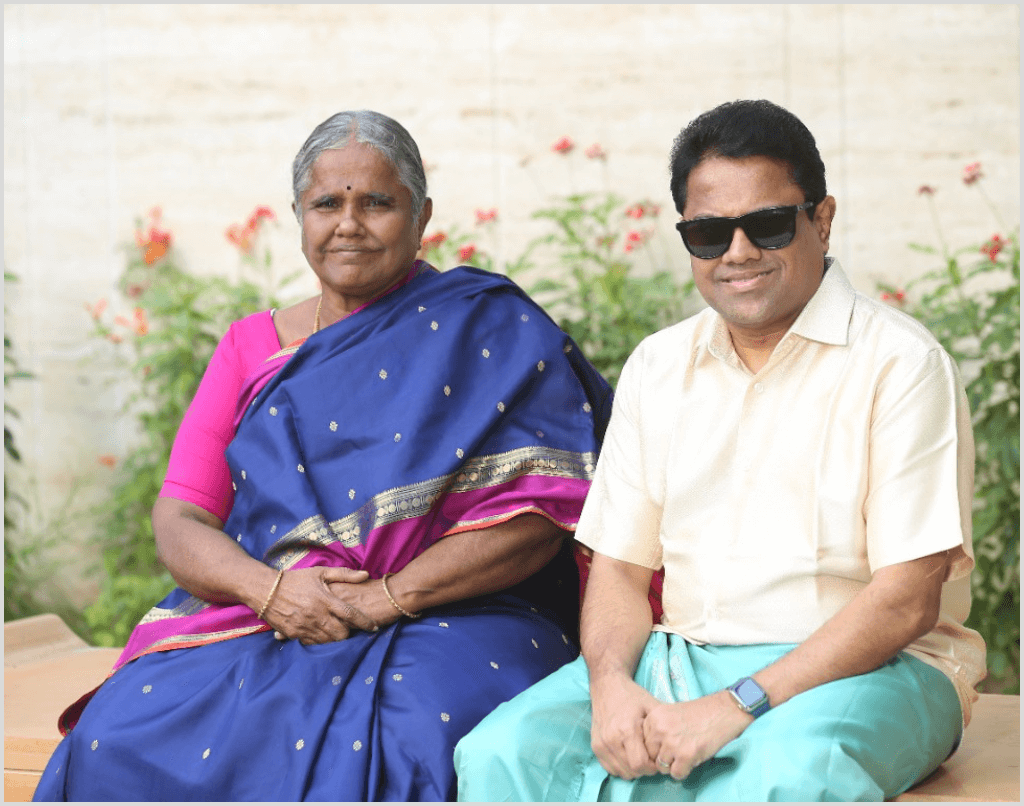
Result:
[{"x": 771, "y": 498}]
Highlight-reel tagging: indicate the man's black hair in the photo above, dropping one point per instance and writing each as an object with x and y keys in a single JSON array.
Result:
[{"x": 748, "y": 129}]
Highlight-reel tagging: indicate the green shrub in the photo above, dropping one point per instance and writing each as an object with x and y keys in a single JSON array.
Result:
[{"x": 972, "y": 305}]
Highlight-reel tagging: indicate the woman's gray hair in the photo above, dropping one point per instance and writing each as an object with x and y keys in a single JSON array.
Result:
[{"x": 379, "y": 131}]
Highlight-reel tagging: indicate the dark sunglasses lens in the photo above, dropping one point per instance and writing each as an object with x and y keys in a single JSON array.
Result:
[
  {"x": 771, "y": 230},
  {"x": 707, "y": 239}
]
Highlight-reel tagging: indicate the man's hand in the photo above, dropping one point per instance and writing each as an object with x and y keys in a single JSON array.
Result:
[
  {"x": 620, "y": 708},
  {"x": 304, "y": 607},
  {"x": 680, "y": 736}
]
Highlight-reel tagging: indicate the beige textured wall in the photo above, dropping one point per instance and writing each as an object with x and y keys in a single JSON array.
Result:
[{"x": 109, "y": 110}]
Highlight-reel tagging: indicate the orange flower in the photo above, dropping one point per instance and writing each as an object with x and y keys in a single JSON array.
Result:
[
  {"x": 485, "y": 216},
  {"x": 156, "y": 242},
  {"x": 140, "y": 323},
  {"x": 107, "y": 460},
  {"x": 595, "y": 152},
  {"x": 242, "y": 237},
  {"x": 563, "y": 145},
  {"x": 466, "y": 252},
  {"x": 115, "y": 338},
  {"x": 96, "y": 310}
]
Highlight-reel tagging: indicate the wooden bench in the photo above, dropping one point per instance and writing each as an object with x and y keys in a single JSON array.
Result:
[{"x": 47, "y": 667}]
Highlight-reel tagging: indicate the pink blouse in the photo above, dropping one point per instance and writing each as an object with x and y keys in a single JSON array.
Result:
[{"x": 197, "y": 471}]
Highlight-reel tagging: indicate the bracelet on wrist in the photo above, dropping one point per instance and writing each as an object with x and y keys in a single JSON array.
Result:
[
  {"x": 397, "y": 606},
  {"x": 270, "y": 595}
]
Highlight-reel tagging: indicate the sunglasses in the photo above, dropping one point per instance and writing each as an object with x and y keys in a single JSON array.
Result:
[{"x": 708, "y": 238}]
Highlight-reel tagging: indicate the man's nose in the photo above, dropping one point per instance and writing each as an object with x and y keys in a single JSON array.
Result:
[{"x": 741, "y": 248}]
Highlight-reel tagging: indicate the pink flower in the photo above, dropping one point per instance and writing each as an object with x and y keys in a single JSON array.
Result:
[
  {"x": 595, "y": 152},
  {"x": 96, "y": 310},
  {"x": 993, "y": 247},
  {"x": 114, "y": 338},
  {"x": 466, "y": 252},
  {"x": 636, "y": 238},
  {"x": 107, "y": 460},
  {"x": 972, "y": 173},
  {"x": 644, "y": 208},
  {"x": 485, "y": 216},
  {"x": 925, "y": 190},
  {"x": 563, "y": 145},
  {"x": 434, "y": 241}
]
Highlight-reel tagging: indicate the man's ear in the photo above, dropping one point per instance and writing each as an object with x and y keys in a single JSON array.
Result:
[{"x": 824, "y": 213}]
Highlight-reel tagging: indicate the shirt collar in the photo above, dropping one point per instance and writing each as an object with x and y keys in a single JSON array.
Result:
[{"x": 825, "y": 318}]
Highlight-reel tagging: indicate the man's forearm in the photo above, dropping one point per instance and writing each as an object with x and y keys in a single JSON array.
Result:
[
  {"x": 899, "y": 605},
  {"x": 616, "y": 617}
]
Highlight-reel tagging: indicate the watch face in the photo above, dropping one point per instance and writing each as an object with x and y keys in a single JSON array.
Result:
[{"x": 749, "y": 692}]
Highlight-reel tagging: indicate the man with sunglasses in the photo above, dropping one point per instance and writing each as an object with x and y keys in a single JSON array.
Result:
[{"x": 799, "y": 459}]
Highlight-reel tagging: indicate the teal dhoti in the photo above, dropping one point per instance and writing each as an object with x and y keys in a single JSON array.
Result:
[{"x": 867, "y": 737}]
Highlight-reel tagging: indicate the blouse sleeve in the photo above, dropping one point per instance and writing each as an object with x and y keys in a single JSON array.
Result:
[{"x": 197, "y": 471}]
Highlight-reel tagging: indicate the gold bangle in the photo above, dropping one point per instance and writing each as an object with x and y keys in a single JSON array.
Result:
[
  {"x": 398, "y": 607},
  {"x": 270, "y": 595}
]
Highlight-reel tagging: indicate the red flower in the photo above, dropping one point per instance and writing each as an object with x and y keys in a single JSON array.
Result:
[
  {"x": 466, "y": 252},
  {"x": 897, "y": 298},
  {"x": 993, "y": 247},
  {"x": 435, "y": 240},
  {"x": 96, "y": 310},
  {"x": 595, "y": 152},
  {"x": 484, "y": 216},
  {"x": 244, "y": 237},
  {"x": 636, "y": 211},
  {"x": 563, "y": 145},
  {"x": 972, "y": 173},
  {"x": 925, "y": 190},
  {"x": 107, "y": 460}
]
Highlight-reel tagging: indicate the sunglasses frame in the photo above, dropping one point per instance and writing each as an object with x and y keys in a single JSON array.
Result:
[{"x": 740, "y": 222}]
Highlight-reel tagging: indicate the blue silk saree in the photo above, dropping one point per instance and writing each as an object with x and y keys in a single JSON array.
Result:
[{"x": 448, "y": 405}]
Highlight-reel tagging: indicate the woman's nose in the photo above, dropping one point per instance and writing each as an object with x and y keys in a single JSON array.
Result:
[
  {"x": 348, "y": 221},
  {"x": 741, "y": 248}
]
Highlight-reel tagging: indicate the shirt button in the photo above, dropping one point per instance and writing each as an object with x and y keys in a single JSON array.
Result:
[{"x": 759, "y": 387}]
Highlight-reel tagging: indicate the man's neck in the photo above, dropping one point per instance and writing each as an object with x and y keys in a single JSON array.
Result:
[{"x": 755, "y": 350}]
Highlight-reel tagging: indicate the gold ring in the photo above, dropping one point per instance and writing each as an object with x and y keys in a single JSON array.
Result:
[{"x": 665, "y": 764}]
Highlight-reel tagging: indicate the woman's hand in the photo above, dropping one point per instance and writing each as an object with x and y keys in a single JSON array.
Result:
[{"x": 305, "y": 608}]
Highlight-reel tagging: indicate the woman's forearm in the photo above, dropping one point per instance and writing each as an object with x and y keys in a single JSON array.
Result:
[
  {"x": 205, "y": 561},
  {"x": 468, "y": 564}
]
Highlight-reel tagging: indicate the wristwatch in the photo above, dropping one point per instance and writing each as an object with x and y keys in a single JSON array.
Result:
[{"x": 749, "y": 696}]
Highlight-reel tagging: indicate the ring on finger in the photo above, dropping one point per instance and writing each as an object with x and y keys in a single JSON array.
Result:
[{"x": 664, "y": 764}]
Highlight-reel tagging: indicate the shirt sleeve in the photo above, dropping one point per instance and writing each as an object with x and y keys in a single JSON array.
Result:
[
  {"x": 921, "y": 466},
  {"x": 197, "y": 471},
  {"x": 620, "y": 519}
]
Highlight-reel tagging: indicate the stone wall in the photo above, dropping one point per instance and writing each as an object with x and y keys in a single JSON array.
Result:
[{"x": 109, "y": 110}]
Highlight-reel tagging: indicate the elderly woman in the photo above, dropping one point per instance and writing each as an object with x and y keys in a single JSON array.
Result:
[{"x": 381, "y": 558}]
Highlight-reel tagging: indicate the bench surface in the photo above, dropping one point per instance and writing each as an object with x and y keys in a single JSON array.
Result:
[{"x": 47, "y": 667}]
